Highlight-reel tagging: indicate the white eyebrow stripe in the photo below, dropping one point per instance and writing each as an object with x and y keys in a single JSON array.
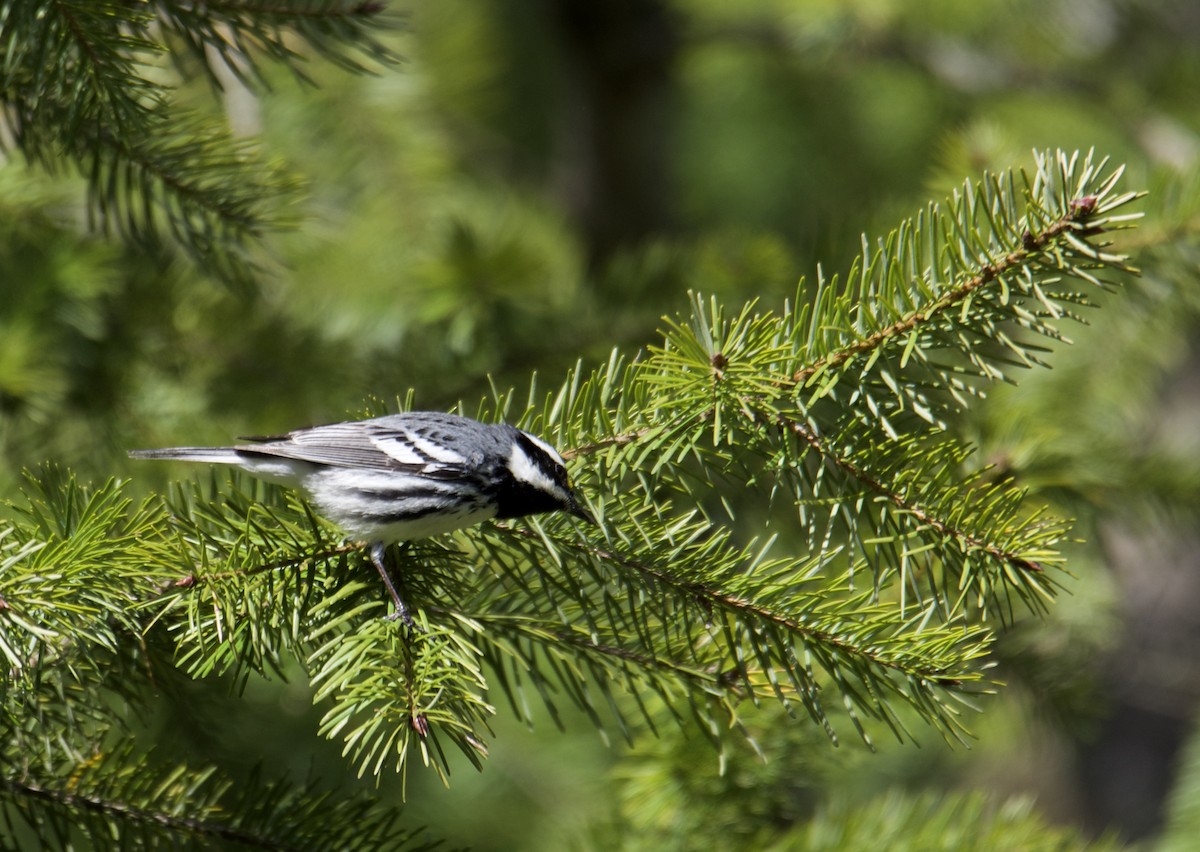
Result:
[
  {"x": 524, "y": 469},
  {"x": 550, "y": 451}
]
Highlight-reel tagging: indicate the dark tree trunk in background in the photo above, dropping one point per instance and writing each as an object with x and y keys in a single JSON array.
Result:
[
  {"x": 1152, "y": 678},
  {"x": 1127, "y": 773},
  {"x": 617, "y": 134}
]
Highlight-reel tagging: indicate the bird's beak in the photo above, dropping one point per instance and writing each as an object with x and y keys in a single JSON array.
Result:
[{"x": 577, "y": 509}]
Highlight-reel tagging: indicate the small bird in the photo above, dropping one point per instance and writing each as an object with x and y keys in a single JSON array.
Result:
[{"x": 405, "y": 476}]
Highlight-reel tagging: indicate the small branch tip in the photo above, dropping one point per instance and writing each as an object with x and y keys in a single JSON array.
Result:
[{"x": 1081, "y": 208}]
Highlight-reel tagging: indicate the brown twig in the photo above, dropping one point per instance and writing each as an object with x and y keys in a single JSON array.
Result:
[
  {"x": 1031, "y": 244},
  {"x": 709, "y": 596},
  {"x": 901, "y": 502}
]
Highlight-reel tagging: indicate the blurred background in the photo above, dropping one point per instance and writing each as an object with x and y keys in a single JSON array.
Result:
[{"x": 540, "y": 182}]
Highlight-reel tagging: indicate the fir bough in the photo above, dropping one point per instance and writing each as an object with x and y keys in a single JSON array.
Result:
[
  {"x": 82, "y": 672},
  {"x": 823, "y": 425},
  {"x": 785, "y": 516},
  {"x": 89, "y": 85}
]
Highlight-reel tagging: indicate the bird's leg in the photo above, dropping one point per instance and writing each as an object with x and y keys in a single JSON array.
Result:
[{"x": 379, "y": 557}]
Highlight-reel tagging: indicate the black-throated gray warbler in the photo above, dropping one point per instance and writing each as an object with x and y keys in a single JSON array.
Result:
[{"x": 405, "y": 476}]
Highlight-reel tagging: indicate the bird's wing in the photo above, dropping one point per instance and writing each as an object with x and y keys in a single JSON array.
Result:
[
  {"x": 381, "y": 444},
  {"x": 337, "y": 445},
  {"x": 425, "y": 445}
]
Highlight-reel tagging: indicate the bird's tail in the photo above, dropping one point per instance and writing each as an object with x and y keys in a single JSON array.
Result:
[{"x": 212, "y": 455}]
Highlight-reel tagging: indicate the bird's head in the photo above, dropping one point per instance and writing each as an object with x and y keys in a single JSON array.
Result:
[{"x": 540, "y": 481}]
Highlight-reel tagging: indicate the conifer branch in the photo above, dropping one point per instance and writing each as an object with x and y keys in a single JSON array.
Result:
[
  {"x": 120, "y": 799},
  {"x": 123, "y": 811},
  {"x": 82, "y": 87},
  {"x": 711, "y": 599},
  {"x": 826, "y": 422},
  {"x": 1050, "y": 239},
  {"x": 193, "y": 580},
  {"x": 243, "y": 34},
  {"x": 621, "y": 440},
  {"x": 900, "y": 501},
  {"x": 989, "y": 273}
]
